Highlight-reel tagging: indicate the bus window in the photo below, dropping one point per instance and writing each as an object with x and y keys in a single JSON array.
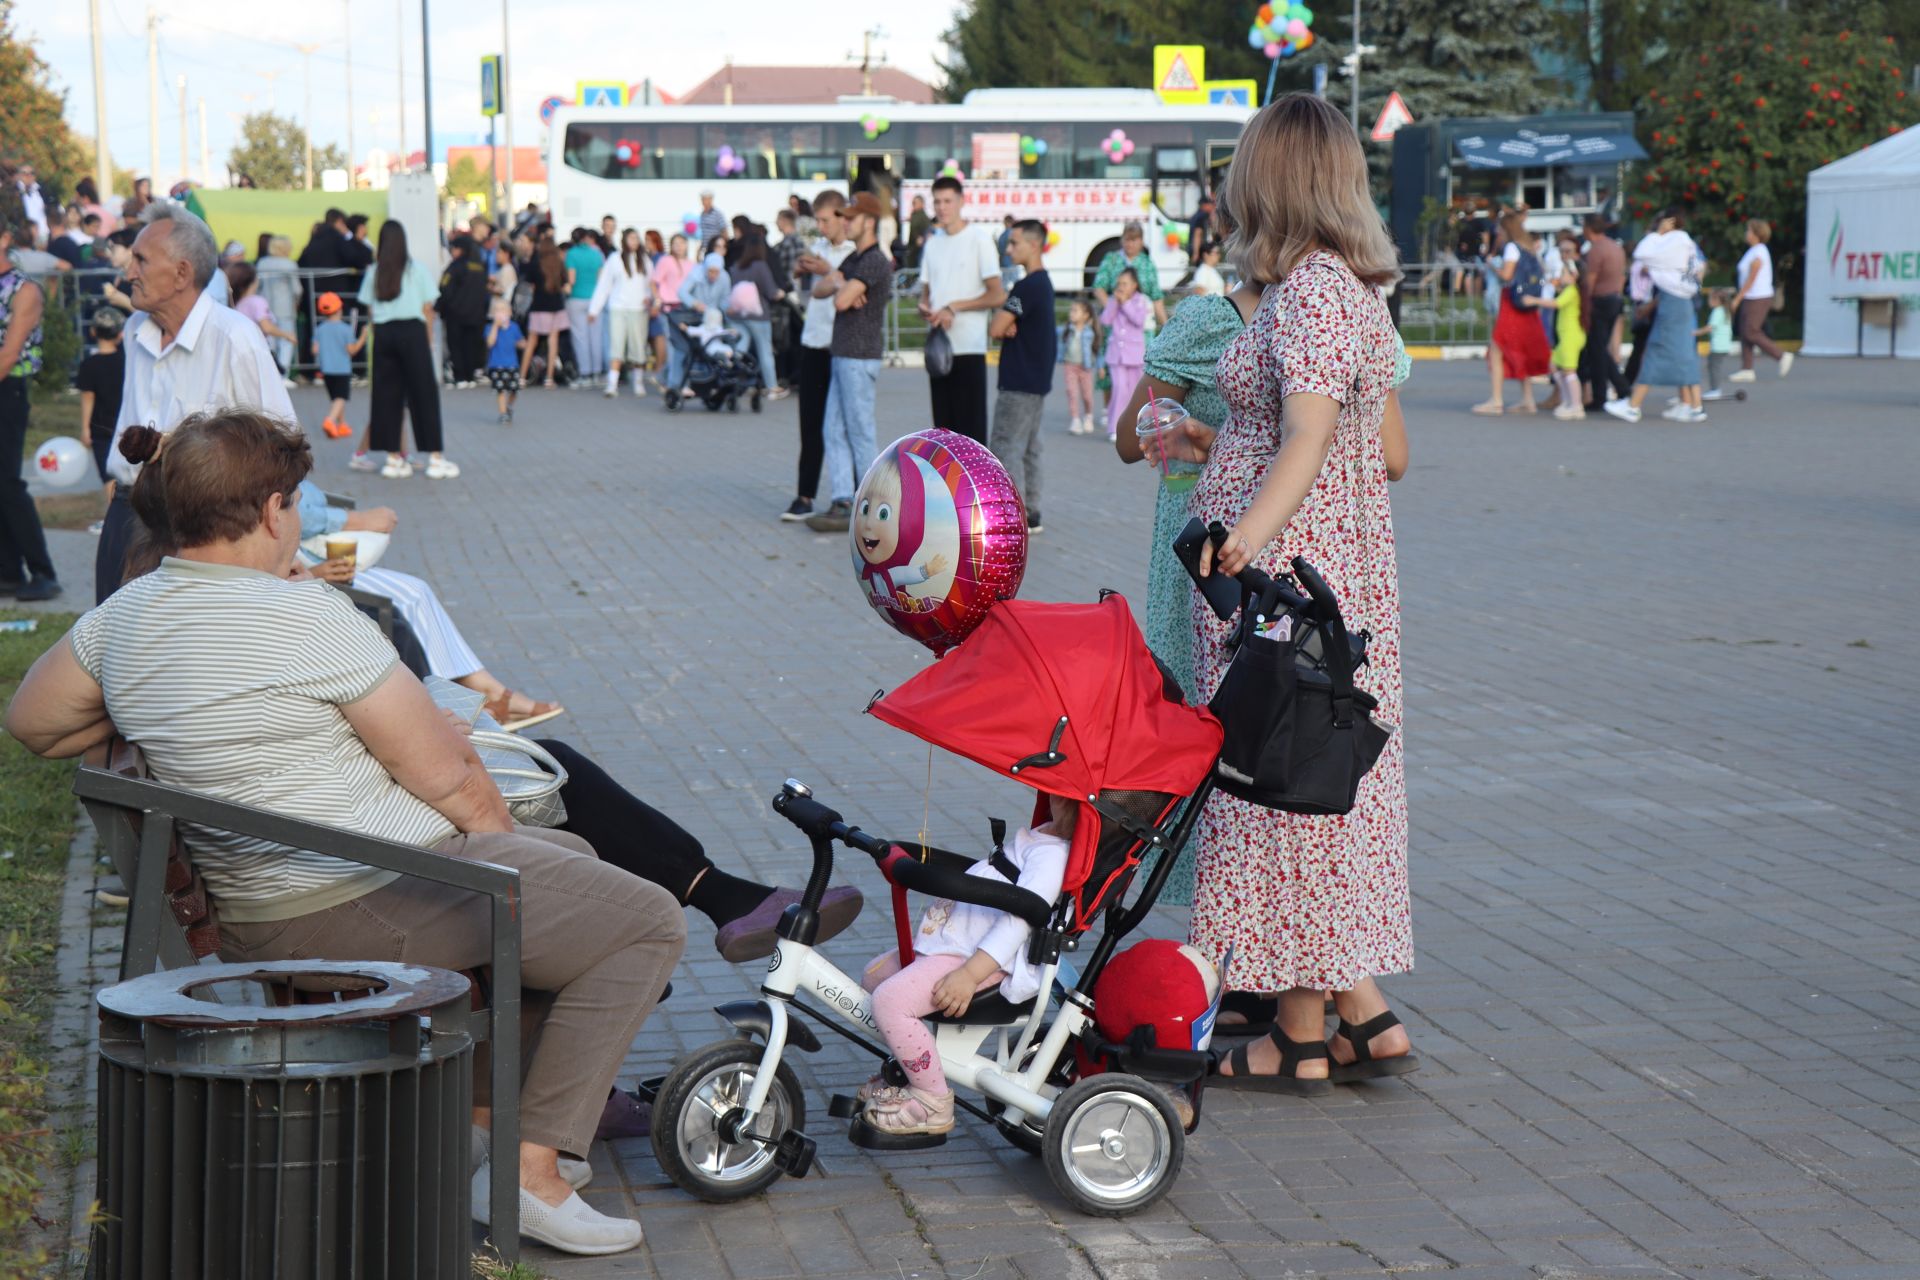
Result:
[
  {"x": 1058, "y": 161},
  {"x": 820, "y": 152},
  {"x": 926, "y": 147},
  {"x": 674, "y": 152},
  {"x": 715, "y": 136},
  {"x": 1219, "y": 156},
  {"x": 590, "y": 150}
]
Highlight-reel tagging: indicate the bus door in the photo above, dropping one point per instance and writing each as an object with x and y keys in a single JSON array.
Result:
[
  {"x": 1176, "y": 182},
  {"x": 878, "y": 172}
]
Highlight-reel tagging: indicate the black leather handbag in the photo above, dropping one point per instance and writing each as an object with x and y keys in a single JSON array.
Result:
[{"x": 1299, "y": 735}]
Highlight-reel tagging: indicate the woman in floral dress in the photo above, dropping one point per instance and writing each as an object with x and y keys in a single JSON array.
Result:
[{"x": 1309, "y": 904}]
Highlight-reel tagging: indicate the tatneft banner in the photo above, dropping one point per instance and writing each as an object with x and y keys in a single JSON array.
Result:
[{"x": 1048, "y": 201}]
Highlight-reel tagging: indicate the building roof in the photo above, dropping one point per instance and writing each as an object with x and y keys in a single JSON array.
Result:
[{"x": 762, "y": 86}]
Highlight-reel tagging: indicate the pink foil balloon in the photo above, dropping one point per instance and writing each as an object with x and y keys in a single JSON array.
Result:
[{"x": 939, "y": 536}]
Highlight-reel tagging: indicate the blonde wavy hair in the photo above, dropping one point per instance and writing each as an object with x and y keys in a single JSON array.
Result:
[{"x": 1298, "y": 183}]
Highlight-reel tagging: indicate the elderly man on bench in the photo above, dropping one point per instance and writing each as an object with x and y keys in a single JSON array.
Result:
[{"x": 248, "y": 687}]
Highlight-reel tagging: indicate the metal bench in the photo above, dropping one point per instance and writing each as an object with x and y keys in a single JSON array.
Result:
[{"x": 168, "y": 924}]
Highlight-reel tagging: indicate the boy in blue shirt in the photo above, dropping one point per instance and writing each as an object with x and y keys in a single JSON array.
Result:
[
  {"x": 1029, "y": 341},
  {"x": 335, "y": 346},
  {"x": 504, "y": 341}
]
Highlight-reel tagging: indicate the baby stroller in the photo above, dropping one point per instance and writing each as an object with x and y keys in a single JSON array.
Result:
[
  {"x": 714, "y": 382},
  {"x": 1068, "y": 700}
]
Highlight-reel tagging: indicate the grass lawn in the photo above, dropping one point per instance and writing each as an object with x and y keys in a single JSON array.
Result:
[{"x": 36, "y": 826}]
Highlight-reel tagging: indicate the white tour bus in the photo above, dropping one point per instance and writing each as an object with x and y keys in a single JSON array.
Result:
[{"x": 647, "y": 165}]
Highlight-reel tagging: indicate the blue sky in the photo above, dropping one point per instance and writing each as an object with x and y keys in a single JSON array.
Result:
[{"x": 244, "y": 57}]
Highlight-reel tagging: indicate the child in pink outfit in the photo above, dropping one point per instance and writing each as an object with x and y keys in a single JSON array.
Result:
[
  {"x": 1125, "y": 319},
  {"x": 961, "y": 951}
]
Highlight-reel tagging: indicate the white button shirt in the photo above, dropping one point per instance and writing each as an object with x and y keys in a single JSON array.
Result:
[{"x": 218, "y": 360}]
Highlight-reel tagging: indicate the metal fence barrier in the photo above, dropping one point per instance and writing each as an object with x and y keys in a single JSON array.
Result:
[{"x": 303, "y": 1142}]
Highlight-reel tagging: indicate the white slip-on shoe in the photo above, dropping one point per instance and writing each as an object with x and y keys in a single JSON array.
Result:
[
  {"x": 578, "y": 1173},
  {"x": 1743, "y": 375},
  {"x": 1786, "y": 363},
  {"x": 573, "y": 1226}
]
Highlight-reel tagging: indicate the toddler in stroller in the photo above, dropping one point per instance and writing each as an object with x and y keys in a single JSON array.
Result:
[
  {"x": 719, "y": 366},
  {"x": 963, "y": 948}
]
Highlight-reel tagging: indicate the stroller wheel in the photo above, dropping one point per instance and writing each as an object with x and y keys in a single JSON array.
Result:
[
  {"x": 697, "y": 1097},
  {"x": 672, "y": 399},
  {"x": 1113, "y": 1144},
  {"x": 758, "y": 397},
  {"x": 733, "y": 403}
]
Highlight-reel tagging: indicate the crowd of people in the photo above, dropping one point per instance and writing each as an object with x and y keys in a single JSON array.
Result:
[{"x": 1564, "y": 306}]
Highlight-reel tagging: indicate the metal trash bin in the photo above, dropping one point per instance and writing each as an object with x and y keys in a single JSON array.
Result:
[{"x": 285, "y": 1143}]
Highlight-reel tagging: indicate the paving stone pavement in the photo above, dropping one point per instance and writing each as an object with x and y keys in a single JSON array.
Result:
[{"x": 1661, "y": 745}]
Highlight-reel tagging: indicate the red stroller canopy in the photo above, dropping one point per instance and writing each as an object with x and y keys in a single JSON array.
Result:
[{"x": 1000, "y": 697}]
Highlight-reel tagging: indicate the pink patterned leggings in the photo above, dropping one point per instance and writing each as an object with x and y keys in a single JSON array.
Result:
[{"x": 901, "y": 997}]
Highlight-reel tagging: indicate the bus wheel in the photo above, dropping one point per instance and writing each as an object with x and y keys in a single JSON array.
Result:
[{"x": 1098, "y": 256}]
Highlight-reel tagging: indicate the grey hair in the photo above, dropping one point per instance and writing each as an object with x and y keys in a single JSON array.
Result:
[{"x": 188, "y": 238}]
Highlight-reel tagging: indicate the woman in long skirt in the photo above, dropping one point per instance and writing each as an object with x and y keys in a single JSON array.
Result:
[
  {"x": 1674, "y": 263},
  {"x": 1309, "y": 904}
]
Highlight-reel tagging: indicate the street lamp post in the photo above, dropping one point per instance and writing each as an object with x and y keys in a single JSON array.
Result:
[
  {"x": 506, "y": 109},
  {"x": 346, "y": 8},
  {"x": 426, "y": 85},
  {"x": 306, "y": 123},
  {"x": 102, "y": 164}
]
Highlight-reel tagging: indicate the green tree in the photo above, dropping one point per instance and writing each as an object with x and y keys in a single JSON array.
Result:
[
  {"x": 271, "y": 152},
  {"x": 466, "y": 179},
  {"x": 1735, "y": 129},
  {"x": 33, "y": 125}
]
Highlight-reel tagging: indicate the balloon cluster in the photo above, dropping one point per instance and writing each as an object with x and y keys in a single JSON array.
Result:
[
  {"x": 1117, "y": 145},
  {"x": 690, "y": 223},
  {"x": 950, "y": 168},
  {"x": 1281, "y": 29},
  {"x": 873, "y": 126},
  {"x": 1176, "y": 234},
  {"x": 1031, "y": 149},
  {"x": 728, "y": 163},
  {"x": 629, "y": 153},
  {"x": 1053, "y": 239}
]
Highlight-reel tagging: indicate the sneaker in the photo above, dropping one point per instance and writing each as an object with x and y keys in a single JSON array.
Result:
[
  {"x": 837, "y": 518},
  {"x": 799, "y": 510},
  {"x": 1033, "y": 523},
  {"x": 1746, "y": 375},
  {"x": 778, "y": 393},
  {"x": 1694, "y": 415},
  {"x": 611, "y": 391},
  {"x": 1786, "y": 363},
  {"x": 502, "y": 418},
  {"x": 38, "y": 588},
  {"x": 1570, "y": 413},
  {"x": 1676, "y": 412},
  {"x": 509, "y": 415},
  {"x": 1715, "y": 394},
  {"x": 363, "y": 462},
  {"x": 441, "y": 469},
  {"x": 1622, "y": 409},
  {"x": 397, "y": 469}
]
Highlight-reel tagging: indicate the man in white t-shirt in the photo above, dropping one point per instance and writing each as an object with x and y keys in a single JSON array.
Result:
[
  {"x": 960, "y": 288},
  {"x": 814, "y": 373}
]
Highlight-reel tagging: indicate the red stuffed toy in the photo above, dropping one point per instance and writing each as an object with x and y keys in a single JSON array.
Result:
[{"x": 1160, "y": 983}]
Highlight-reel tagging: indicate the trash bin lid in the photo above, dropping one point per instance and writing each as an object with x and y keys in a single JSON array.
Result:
[{"x": 395, "y": 990}]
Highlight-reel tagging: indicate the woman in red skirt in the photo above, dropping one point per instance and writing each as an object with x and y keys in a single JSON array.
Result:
[{"x": 1519, "y": 347}]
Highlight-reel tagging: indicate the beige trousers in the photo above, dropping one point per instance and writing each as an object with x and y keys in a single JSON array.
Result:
[{"x": 597, "y": 943}]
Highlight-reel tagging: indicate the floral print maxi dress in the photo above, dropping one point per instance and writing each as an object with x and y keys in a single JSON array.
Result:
[{"x": 1308, "y": 901}]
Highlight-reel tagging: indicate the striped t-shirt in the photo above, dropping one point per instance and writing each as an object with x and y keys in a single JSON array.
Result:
[{"x": 230, "y": 681}]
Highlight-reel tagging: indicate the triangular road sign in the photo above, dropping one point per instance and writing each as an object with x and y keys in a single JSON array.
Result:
[
  {"x": 1179, "y": 77},
  {"x": 1393, "y": 116}
]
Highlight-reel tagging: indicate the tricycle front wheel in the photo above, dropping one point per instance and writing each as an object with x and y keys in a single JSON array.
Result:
[{"x": 696, "y": 1100}]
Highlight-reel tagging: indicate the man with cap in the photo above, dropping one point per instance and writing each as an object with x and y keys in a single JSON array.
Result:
[{"x": 712, "y": 221}]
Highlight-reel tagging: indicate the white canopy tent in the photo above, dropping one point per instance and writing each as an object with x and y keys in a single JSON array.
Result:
[{"x": 1863, "y": 252}]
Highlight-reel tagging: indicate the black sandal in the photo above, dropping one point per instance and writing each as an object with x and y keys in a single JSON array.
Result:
[
  {"x": 1292, "y": 1054},
  {"x": 1364, "y": 1065},
  {"x": 1258, "y": 1010}
]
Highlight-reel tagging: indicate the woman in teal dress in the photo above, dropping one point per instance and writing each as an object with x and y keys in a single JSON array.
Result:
[{"x": 1179, "y": 366}]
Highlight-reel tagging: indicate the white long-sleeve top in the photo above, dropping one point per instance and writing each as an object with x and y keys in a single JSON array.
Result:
[
  {"x": 619, "y": 290},
  {"x": 952, "y": 928},
  {"x": 1673, "y": 260}
]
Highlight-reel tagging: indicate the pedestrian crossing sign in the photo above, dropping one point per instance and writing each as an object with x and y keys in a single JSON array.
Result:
[
  {"x": 1179, "y": 73},
  {"x": 1233, "y": 93},
  {"x": 600, "y": 93}
]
